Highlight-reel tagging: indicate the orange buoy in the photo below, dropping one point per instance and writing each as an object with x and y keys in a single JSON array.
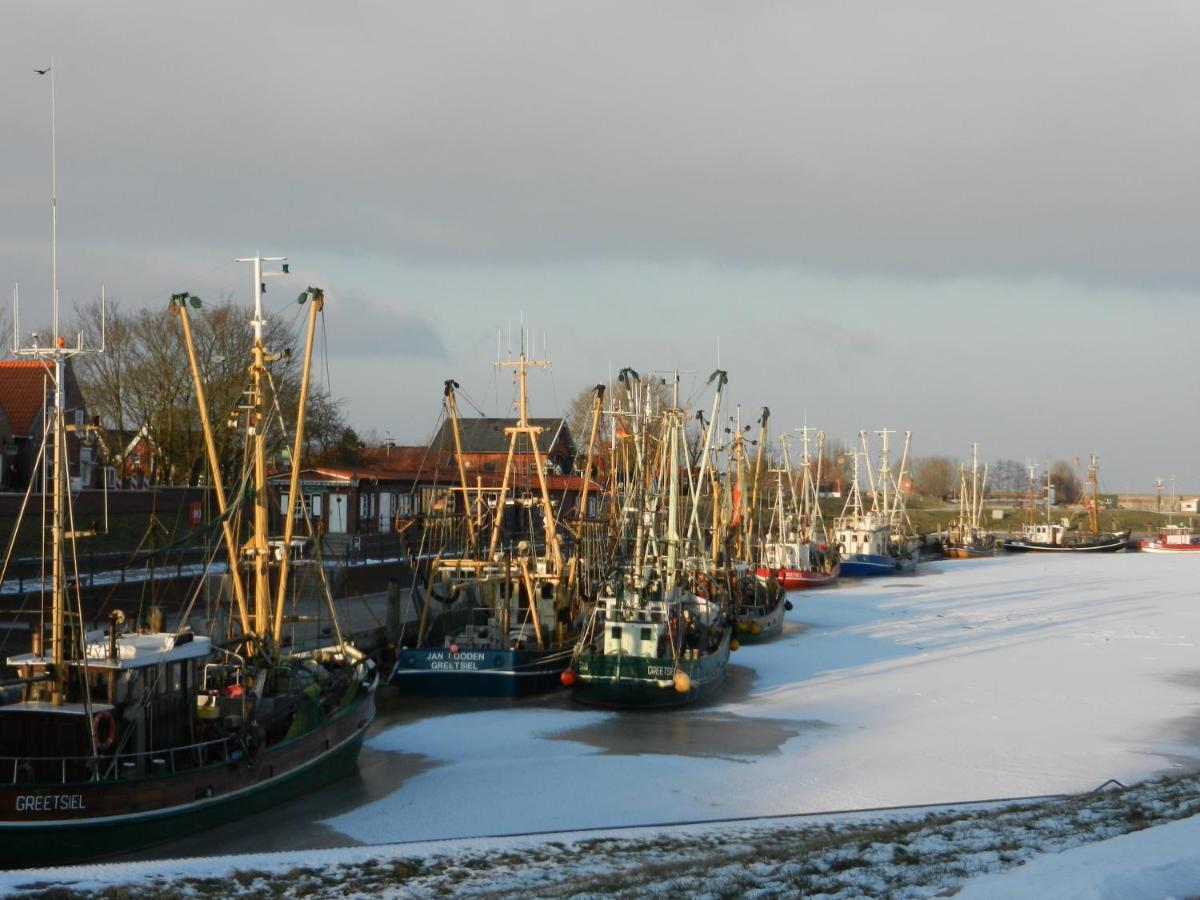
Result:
[
  {"x": 567, "y": 677},
  {"x": 733, "y": 645},
  {"x": 683, "y": 684}
]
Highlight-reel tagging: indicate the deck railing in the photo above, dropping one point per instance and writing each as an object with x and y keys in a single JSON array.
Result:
[{"x": 107, "y": 767}]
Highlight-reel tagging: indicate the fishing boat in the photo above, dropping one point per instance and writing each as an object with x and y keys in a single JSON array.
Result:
[
  {"x": 759, "y": 601},
  {"x": 966, "y": 538},
  {"x": 1173, "y": 538},
  {"x": 876, "y": 541},
  {"x": 1061, "y": 537},
  {"x": 795, "y": 550},
  {"x": 661, "y": 630},
  {"x": 502, "y": 621},
  {"x": 128, "y": 733}
]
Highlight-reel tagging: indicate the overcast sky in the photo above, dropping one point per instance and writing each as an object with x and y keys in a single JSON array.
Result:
[{"x": 976, "y": 221}]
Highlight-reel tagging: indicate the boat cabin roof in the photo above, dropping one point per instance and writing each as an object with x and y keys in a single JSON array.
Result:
[
  {"x": 134, "y": 651},
  {"x": 66, "y": 709}
]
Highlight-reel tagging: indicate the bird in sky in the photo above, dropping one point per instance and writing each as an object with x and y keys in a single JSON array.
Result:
[{"x": 42, "y": 71}]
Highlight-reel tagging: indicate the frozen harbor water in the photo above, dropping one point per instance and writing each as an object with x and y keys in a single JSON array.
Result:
[{"x": 972, "y": 680}]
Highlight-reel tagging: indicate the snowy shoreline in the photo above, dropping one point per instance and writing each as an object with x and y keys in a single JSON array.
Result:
[{"x": 978, "y": 851}]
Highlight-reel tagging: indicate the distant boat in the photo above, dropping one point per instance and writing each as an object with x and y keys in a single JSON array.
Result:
[
  {"x": 758, "y": 600},
  {"x": 1059, "y": 537},
  {"x": 795, "y": 551},
  {"x": 759, "y": 603},
  {"x": 875, "y": 542},
  {"x": 966, "y": 538},
  {"x": 1173, "y": 539}
]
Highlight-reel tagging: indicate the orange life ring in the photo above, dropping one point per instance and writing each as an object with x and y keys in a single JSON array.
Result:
[{"x": 104, "y": 729}]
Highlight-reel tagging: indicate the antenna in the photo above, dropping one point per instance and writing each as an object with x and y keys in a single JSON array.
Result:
[
  {"x": 53, "y": 200},
  {"x": 53, "y": 359},
  {"x": 260, "y": 287}
]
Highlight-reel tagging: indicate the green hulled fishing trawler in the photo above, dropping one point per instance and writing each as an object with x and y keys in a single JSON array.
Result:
[
  {"x": 661, "y": 630},
  {"x": 127, "y": 734}
]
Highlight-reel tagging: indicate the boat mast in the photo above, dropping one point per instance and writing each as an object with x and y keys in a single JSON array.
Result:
[
  {"x": 581, "y": 512},
  {"x": 532, "y": 432},
  {"x": 789, "y": 517},
  {"x": 1049, "y": 488},
  {"x": 722, "y": 378},
  {"x": 803, "y": 510},
  {"x": 54, "y": 360},
  {"x": 257, "y": 547},
  {"x": 1030, "y": 497},
  {"x": 899, "y": 509},
  {"x": 672, "y": 461},
  {"x": 758, "y": 460},
  {"x": 1094, "y": 485},
  {"x": 317, "y": 297},
  {"x": 982, "y": 494},
  {"x": 813, "y": 497},
  {"x": 452, "y": 413},
  {"x": 866, "y": 455},
  {"x": 852, "y": 508},
  {"x": 179, "y": 305},
  {"x": 975, "y": 484}
]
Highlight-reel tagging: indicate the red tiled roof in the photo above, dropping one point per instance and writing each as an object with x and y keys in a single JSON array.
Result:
[{"x": 23, "y": 388}]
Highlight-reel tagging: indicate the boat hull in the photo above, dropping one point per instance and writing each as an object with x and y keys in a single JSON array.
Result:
[
  {"x": 1159, "y": 547},
  {"x": 758, "y": 627},
  {"x": 865, "y": 565},
  {"x": 494, "y": 672},
  {"x": 968, "y": 552},
  {"x": 800, "y": 579},
  {"x": 629, "y": 682},
  {"x": 1012, "y": 545},
  {"x": 56, "y": 824}
]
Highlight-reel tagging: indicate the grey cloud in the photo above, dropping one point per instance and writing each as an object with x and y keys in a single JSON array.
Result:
[
  {"x": 363, "y": 327},
  {"x": 927, "y": 138}
]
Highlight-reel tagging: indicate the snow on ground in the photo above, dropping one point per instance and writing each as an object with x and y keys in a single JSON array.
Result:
[
  {"x": 1012, "y": 676},
  {"x": 902, "y": 854},
  {"x": 1142, "y": 865}
]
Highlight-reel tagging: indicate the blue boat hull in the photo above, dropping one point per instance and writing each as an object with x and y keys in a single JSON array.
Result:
[
  {"x": 491, "y": 672},
  {"x": 865, "y": 565}
]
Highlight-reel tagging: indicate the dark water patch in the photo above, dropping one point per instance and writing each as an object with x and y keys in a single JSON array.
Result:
[
  {"x": 1184, "y": 729},
  {"x": 689, "y": 733},
  {"x": 296, "y": 824},
  {"x": 396, "y": 708}
]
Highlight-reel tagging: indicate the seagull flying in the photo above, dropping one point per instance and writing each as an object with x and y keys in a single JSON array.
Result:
[{"x": 42, "y": 71}]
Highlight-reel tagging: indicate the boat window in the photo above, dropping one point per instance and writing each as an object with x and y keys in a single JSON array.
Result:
[
  {"x": 616, "y": 632},
  {"x": 646, "y": 634}
]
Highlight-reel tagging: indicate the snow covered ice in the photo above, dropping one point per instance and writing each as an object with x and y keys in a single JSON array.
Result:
[{"x": 978, "y": 679}]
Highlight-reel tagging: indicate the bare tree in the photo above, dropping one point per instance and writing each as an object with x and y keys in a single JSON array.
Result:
[
  {"x": 142, "y": 383},
  {"x": 837, "y": 466},
  {"x": 1007, "y": 476},
  {"x": 1067, "y": 486},
  {"x": 935, "y": 476},
  {"x": 6, "y": 334}
]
